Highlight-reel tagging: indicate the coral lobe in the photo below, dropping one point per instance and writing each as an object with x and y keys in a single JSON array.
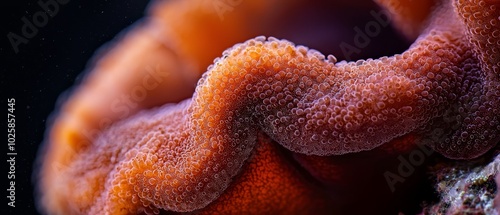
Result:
[{"x": 221, "y": 151}]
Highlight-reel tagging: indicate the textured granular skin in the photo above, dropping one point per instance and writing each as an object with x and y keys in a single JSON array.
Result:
[
  {"x": 280, "y": 188},
  {"x": 265, "y": 94}
]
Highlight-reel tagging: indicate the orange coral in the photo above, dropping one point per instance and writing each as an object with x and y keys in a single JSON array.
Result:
[
  {"x": 280, "y": 187},
  {"x": 205, "y": 154}
]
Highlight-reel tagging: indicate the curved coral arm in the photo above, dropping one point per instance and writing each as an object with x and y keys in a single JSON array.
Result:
[
  {"x": 182, "y": 157},
  {"x": 159, "y": 54},
  {"x": 472, "y": 125}
]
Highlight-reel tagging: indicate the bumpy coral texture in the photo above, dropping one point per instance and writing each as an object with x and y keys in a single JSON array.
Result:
[{"x": 183, "y": 157}]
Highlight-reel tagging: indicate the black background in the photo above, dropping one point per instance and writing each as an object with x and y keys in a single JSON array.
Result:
[{"x": 49, "y": 64}]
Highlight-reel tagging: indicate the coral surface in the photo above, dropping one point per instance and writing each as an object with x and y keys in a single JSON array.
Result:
[{"x": 270, "y": 126}]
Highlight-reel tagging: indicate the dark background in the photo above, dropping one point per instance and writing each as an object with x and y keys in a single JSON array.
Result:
[{"x": 49, "y": 64}]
